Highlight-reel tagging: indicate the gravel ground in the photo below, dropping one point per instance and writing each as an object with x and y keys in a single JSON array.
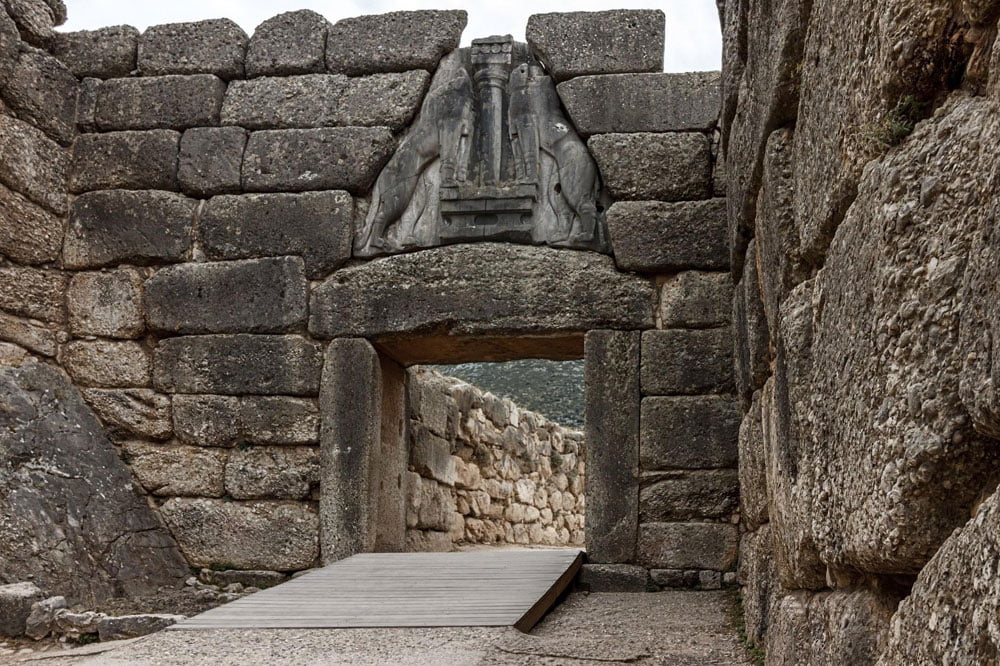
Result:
[{"x": 676, "y": 628}]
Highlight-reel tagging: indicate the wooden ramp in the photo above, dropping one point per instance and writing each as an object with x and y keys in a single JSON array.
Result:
[{"x": 481, "y": 588}]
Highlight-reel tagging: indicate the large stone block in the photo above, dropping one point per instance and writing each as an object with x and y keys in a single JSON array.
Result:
[
  {"x": 275, "y": 536},
  {"x": 36, "y": 18},
  {"x": 430, "y": 455},
  {"x": 159, "y": 102},
  {"x": 29, "y": 234},
  {"x": 296, "y": 160},
  {"x": 665, "y": 167},
  {"x": 688, "y": 495},
  {"x": 577, "y": 43},
  {"x": 642, "y": 102},
  {"x": 758, "y": 579},
  {"x": 249, "y": 296},
  {"x": 39, "y": 338},
  {"x": 35, "y": 293},
  {"x": 16, "y": 600},
  {"x": 238, "y": 365},
  {"x": 280, "y": 102},
  {"x": 128, "y": 160},
  {"x": 107, "y": 303},
  {"x": 215, "y": 46},
  {"x": 104, "y": 53},
  {"x": 688, "y": 432},
  {"x": 676, "y": 362},
  {"x": 106, "y": 364},
  {"x": 659, "y": 237},
  {"x": 753, "y": 475},
  {"x": 389, "y": 100},
  {"x": 504, "y": 290},
  {"x": 170, "y": 470},
  {"x": 393, "y": 42},
  {"x": 273, "y": 472},
  {"x": 314, "y": 225},
  {"x": 42, "y": 91},
  {"x": 211, "y": 160},
  {"x": 34, "y": 165},
  {"x": 695, "y": 299},
  {"x": 216, "y": 420},
  {"x": 711, "y": 546},
  {"x": 752, "y": 344},
  {"x": 131, "y": 413},
  {"x": 120, "y": 226},
  {"x": 614, "y": 578},
  {"x": 289, "y": 43}
]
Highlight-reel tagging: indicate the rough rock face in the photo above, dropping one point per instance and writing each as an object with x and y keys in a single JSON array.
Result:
[{"x": 65, "y": 492}]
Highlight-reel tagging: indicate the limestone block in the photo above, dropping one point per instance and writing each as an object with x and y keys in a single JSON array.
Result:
[
  {"x": 666, "y": 167},
  {"x": 278, "y": 536},
  {"x": 753, "y": 478},
  {"x": 282, "y": 102},
  {"x": 614, "y": 578},
  {"x": 428, "y": 541},
  {"x": 106, "y": 303},
  {"x": 688, "y": 495},
  {"x": 38, "y": 338},
  {"x": 16, "y": 600},
  {"x": 686, "y": 579},
  {"x": 695, "y": 299},
  {"x": 211, "y": 160},
  {"x": 215, "y": 46},
  {"x": 106, "y": 364},
  {"x": 577, "y": 43},
  {"x": 642, "y": 102},
  {"x": 692, "y": 432},
  {"x": 29, "y": 234},
  {"x": 36, "y": 18},
  {"x": 42, "y": 91},
  {"x": 120, "y": 226},
  {"x": 176, "y": 470},
  {"x": 289, "y": 43},
  {"x": 760, "y": 591},
  {"x": 130, "y": 413},
  {"x": 314, "y": 225},
  {"x": 159, "y": 102},
  {"x": 215, "y": 420},
  {"x": 297, "y": 160},
  {"x": 751, "y": 349},
  {"x": 393, "y": 42},
  {"x": 688, "y": 545},
  {"x": 504, "y": 289},
  {"x": 435, "y": 506},
  {"x": 86, "y": 104},
  {"x": 128, "y": 160},
  {"x": 124, "y": 627},
  {"x": 32, "y": 292},
  {"x": 34, "y": 165},
  {"x": 207, "y": 420},
  {"x": 431, "y": 456},
  {"x": 272, "y": 472},
  {"x": 389, "y": 100},
  {"x": 238, "y": 365},
  {"x": 653, "y": 236},
  {"x": 259, "y": 579},
  {"x": 104, "y": 53},
  {"x": 612, "y": 397},
  {"x": 676, "y": 362},
  {"x": 249, "y": 296}
]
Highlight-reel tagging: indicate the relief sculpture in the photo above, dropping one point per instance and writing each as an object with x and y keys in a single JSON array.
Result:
[{"x": 491, "y": 156}]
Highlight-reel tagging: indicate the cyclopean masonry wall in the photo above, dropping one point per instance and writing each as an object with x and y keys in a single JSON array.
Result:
[{"x": 188, "y": 250}]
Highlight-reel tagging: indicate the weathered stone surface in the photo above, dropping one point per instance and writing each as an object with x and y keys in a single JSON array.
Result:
[
  {"x": 106, "y": 364},
  {"x": 688, "y": 545},
  {"x": 279, "y": 536},
  {"x": 10, "y": 45},
  {"x": 86, "y": 104},
  {"x": 393, "y": 42},
  {"x": 503, "y": 289},
  {"x": 259, "y": 579},
  {"x": 688, "y": 495},
  {"x": 753, "y": 476},
  {"x": 32, "y": 292},
  {"x": 238, "y": 365},
  {"x": 177, "y": 470},
  {"x": 207, "y": 420},
  {"x": 309, "y": 100},
  {"x": 642, "y": 102},
  {"x": 41, "y": 617},
  {"x": 654, "y": 236},
  {"x": 250, "y": 296},
  {"x": 39, "y": 338},
  {"x": 128, "y": 160},
  {"x": 678, "y": 362},
  {"x": 314, "y": 225},
  {"x": 430, "y": 455},
  {"x": 91, "y": 540},
  {"x": 106, "y": 303},
  {"x": 215, "y": 46},
  {"x": 428, "y": 541},
  {"x": 215, "y": 420},
  {"x": 211, "y": 160},
  {"x": 36, "y": 18},
  {"x": 688, "y": 432},
  {"x": 159, "y": 102},
  {"x": 16, "y": 600},
  {"x": 614, "y": 578},
  {"x": 132, "y": 626},
  {"x": 273, "y": 472},
  {"x": 695, "y": 299},
  {"x": 751, "y": 348},
  {"x": 951, "y": 615},
  {"x": 131, "y": 413},
  {"x": 42, "y": 91},
  {"x": 687, "y": 579},
  {"x": 29, "y": 234},
  {"x": 664, "y": 167},
  {"x": 297, "y": 160},
  {"x": 577, "y": 43},
  {"x": 34, "y": 165},
  {"x": 289, "y": 43},
  {"x": 758, "y": 578},
  {"x": 104, "y": 53},
  {"x": 121, "y": 226},
  {"x": 389, "y": 100}
]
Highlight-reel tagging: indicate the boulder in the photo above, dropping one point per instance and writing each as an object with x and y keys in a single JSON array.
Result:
[{"x": 16, "y": 601}]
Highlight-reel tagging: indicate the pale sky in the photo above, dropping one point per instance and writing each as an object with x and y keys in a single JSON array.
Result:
[{"x": 693, "y": 40}]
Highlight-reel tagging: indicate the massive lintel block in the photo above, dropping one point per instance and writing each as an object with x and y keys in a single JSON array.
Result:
[{"x": 485, "y": 290}]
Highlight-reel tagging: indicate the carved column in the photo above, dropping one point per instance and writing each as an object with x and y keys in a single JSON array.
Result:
[{"x": 492, "y": 58}]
